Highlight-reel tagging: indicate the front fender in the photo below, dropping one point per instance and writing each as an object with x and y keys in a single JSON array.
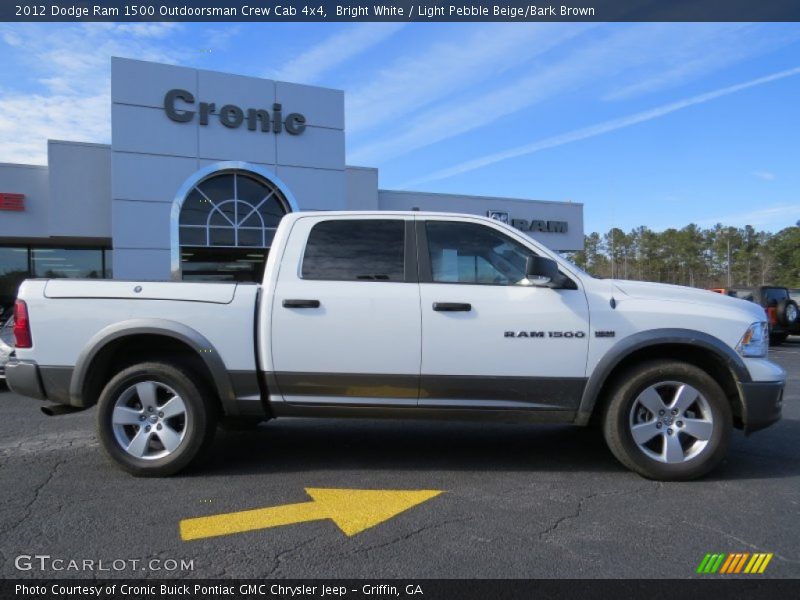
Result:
[{"x": 651, "y": 338}]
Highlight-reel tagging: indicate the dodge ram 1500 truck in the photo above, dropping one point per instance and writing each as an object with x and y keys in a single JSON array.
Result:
[{"x": 400, "y": 314}]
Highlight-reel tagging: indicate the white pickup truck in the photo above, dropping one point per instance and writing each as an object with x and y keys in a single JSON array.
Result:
[{"x": 400, "y": 314}]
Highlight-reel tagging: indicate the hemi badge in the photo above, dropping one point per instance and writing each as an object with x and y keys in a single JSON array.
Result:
[{"x": 604, "y": 334}]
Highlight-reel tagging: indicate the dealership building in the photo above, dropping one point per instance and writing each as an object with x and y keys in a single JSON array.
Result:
[{"x": 201, "y": 167}]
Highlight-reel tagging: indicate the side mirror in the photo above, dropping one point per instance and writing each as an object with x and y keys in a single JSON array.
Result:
[{"x": 541, "y": 271}]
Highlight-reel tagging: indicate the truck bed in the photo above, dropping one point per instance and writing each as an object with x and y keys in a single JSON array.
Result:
[{"x": 70, "y": 316}]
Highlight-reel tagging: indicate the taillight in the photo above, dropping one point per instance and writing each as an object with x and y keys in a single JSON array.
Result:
[
  {"x": 772, "y": 315},
  {"x": 22, "y": 325}
]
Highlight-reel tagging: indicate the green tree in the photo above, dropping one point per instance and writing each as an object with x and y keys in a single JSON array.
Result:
[{"x": 785, "y": 250}]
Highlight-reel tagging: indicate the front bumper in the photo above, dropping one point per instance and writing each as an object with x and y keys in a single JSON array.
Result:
[{"x": 762, "y": 402}]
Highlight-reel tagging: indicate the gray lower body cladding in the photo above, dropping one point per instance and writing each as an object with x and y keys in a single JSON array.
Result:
[
  {"x": 428, "y": 391},
  {"x": 43, "y": 383},
  {"x": 53, "y": 383},
  {"x": 536, "y": 399}
]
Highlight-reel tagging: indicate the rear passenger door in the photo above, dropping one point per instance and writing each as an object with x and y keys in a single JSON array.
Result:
[{"x": 346, "y": 313}]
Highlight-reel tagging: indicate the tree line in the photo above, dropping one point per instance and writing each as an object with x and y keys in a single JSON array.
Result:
[{"x": 718, "y": 257}]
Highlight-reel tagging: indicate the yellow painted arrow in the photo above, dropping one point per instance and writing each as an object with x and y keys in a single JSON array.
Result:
[{"x": 352, "y": 510}]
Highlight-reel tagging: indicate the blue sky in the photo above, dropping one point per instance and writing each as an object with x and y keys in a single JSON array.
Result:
[{"x": 646, "y": 124}]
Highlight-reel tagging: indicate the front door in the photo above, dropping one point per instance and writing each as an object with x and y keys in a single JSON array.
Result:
[
  {"x": 346, "y": 316},
  {"x": 489, "y": 339}
]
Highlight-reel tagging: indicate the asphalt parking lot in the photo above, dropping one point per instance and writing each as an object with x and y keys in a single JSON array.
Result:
[{"x": 518, "y": 501}]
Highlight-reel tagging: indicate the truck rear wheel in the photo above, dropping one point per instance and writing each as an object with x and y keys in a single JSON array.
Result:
[
  {"x": 668, "y": 420},
  {"x": 154, "y": 419}
]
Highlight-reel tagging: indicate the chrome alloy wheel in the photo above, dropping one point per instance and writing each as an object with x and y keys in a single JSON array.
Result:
[
  {"x": 671, "y": 422},
  {"x": 149, "y": 420}
]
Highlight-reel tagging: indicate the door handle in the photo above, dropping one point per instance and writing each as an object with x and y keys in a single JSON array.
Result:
[
  {"x": 301, "y": 304},
  {"x": 452, "y": 306}
]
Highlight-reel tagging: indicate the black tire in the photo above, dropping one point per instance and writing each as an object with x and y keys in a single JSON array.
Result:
[
  {"x": 619, "y": 413},
  {"x": 197, "y": 425},
  {"x": 776, "y": 339},
  {"x": 787, "y": 312}
]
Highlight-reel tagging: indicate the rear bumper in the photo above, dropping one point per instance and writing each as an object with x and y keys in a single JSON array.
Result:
[
  {"x": 762, "y": 402},
  {"x": 23, "y": 378},
  {"x": 27, "y": 378}
]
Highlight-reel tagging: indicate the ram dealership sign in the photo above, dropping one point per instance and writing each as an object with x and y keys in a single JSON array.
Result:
[
  {"x": 535, "y": 225},
  {"x": 179, "y": 104}
]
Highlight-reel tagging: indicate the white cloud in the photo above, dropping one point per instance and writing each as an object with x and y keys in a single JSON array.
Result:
[
  {"x": 764, "y": 175},
  {"x": 334, "y": 51},
  {"x": 702, "y": 48},
  {"x": 419, "y": 78},
  {"x": 147, "y": 30},
  {"x": 625, "y": 49},
  {"x": 773, "y": 217},
  {"x": 56, "y": 117},
  {"x": 72, "y": 65},
  {"x": 11, "y": 39},
  {"x": 600, "y": 128}
]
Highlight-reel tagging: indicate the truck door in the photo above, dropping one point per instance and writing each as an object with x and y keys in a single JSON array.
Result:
[
  {"x": 346, "y": 314},
  {"x": 489, "y": 339}
]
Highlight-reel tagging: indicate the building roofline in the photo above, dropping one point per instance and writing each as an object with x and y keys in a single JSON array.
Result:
[
  {"x": 502, "y": 198},
  {"x": 384, "y": 213},
  {"x": 23, "y": 165},
  {"x": 73, "y": 143}
]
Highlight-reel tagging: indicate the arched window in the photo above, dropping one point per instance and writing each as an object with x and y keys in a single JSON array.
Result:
[
  {"x": 226, "y": 224},
  {"x": 232, "y": 209}
]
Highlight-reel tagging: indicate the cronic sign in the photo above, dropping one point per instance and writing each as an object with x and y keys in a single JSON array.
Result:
[{"x": 179, "y": 106}]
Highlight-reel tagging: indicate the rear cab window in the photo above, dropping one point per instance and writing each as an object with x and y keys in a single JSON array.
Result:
[{"x": 355, "y": 250}]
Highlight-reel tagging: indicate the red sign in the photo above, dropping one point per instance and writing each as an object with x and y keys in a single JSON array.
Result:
[{"x": 10, "y": 201}]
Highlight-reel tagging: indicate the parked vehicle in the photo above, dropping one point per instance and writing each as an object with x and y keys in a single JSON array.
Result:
[
  {"x": 725, "y": 291},
  {"x": 6, "y": 343},
  {"x": 781, "y": 310},
  {"x": 402, "y": 314},
  {"x": 5, "y": 354}
]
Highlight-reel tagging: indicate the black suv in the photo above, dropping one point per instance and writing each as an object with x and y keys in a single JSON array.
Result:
[{"x": 782, "y": 311}]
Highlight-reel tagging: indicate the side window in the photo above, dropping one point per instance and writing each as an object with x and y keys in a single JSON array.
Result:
[
  {"x": 472, "y": 253},
  {"x": 355, "y": 250}
]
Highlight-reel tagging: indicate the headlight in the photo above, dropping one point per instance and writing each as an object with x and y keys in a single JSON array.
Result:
[{"x": 755, "y": 341}]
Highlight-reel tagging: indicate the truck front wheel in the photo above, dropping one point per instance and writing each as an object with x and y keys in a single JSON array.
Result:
[
  {"x": 668, "y": 420},
  {"x": 154, "y": 419}
]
